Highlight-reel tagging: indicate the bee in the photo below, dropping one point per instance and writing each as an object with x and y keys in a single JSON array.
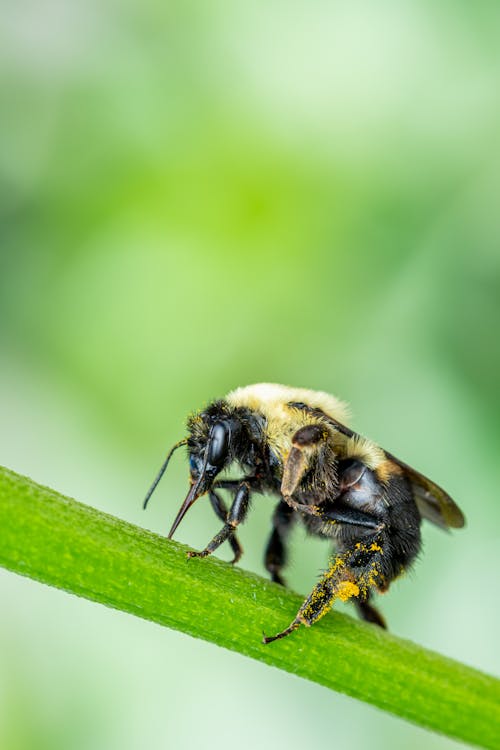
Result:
[{"x": 294, "y": 444}]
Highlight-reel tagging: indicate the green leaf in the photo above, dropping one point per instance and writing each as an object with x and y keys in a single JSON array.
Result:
[{"x": 74, "y": 547}]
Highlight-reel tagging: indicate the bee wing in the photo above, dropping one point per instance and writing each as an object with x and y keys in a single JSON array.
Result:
[{"x": 433, "y": 502}]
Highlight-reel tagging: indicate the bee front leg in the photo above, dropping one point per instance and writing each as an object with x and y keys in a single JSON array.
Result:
[
  {"x": 221, "y": 512},
  {"x": 351, "y": 574},
  {"x": 237, "y": 514}
]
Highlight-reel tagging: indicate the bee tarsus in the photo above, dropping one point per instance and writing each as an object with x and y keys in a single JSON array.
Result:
[{"x": 221, "y": 512}]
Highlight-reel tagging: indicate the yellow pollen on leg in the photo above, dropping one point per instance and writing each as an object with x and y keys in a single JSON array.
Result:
[
  {"x": 335, "y": 566},
  {"x": 346, "y": 589}
]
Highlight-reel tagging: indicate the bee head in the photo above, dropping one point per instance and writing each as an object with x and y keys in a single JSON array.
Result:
[
  {"x": 216, "y": 437},
  {"x": 208, "y": 457},
  {"x": 212, "y": 446}
]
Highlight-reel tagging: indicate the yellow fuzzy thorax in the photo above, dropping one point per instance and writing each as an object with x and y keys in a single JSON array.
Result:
[{"x": 271, "y": 400}]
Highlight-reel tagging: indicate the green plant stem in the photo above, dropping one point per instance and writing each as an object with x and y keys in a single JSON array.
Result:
[{"x": 63, "y": 543}]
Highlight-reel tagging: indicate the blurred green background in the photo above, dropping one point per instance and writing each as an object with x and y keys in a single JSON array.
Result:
[{"x": 203, "y": 195}]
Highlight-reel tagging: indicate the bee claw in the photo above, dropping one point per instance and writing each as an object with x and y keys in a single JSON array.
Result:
[
  {"x": 269, "y": 639},
  {"x": 193, "y": 553}
]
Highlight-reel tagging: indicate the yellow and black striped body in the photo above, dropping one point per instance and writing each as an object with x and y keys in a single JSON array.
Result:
[{"x": 295, "y": 444}]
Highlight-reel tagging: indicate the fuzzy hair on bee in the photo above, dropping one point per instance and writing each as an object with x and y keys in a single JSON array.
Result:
[{"x": 294, "y": 444}]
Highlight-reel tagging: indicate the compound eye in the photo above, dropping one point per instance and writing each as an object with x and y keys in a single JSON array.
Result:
[
  {"x": 219, "y": 443},
  {"x": 194, "y": 465}
]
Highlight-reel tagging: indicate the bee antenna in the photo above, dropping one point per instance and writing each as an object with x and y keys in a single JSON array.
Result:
[{"x": 162, "y": 470}]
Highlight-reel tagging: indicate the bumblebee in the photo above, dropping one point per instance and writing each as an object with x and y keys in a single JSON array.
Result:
[{"x": 294, "y": 443}]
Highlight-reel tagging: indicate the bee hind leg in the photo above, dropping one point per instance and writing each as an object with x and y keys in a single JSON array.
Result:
[
  {"x": 276, "y": 553},
  {"x": 369, "y": 613},
  {"x": 315, "y": 606},
  {"x": 351, "y": 574},
  {"x": 237, "y": 513}
]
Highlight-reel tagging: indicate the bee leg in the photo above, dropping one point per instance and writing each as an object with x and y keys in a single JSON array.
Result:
[
  {"x": 236, "y": 515},
  {"x": 368, "y": 612},
  {"x": 315, "y": 606},
  {"x": 233, "y": 484},
  {"x": 227, "y": 484},
  {"x": 342, "y": 514},
  {"x": 351, "y": 574},
  {"x": 221, "y": 512},
  {"x": 304, "y": 442},
  {"x": 275, "y": 555}
]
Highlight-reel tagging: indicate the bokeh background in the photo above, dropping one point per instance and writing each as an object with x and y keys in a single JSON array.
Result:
[{"x": 195, "y": 196}]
